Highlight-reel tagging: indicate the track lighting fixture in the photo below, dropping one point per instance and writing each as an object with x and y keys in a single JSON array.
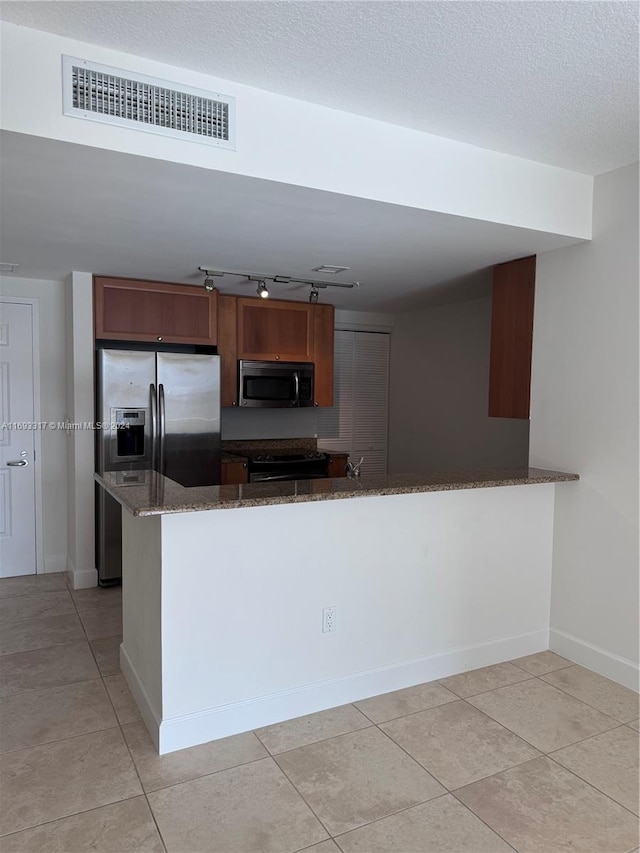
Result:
[
  {"x": 209, "y": 283},
  {"x": 211, "y": 273}
]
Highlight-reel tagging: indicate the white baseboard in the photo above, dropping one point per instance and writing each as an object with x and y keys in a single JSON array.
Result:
[
  {"x": 225, "y": 720},
  {"x": 149, "y": 715},
  {"x": 80, "y": 579},
  {"x": 612, "y": 666},
  {"x": 55, "y": 563}
]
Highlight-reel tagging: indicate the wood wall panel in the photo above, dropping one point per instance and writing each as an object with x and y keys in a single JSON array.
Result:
[
  {"x": 512, "y": 338},
  {"x": 228, "y": 349},
  {"x": 323, "y": 334}
]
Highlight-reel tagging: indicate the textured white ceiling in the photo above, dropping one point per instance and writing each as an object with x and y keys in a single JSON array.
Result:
[
  {"x": 555, "y": 82},
  {"x": 69, "y": 207}
]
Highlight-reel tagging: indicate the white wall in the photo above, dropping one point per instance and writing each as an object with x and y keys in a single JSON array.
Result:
[
  {"x": 53, "y": 464},
  {"x": 81, "y": 566},
  {"x": 439, "y": 391},
  {"x": 321, "y": 148},
  {"x": 585, "y": 419}
]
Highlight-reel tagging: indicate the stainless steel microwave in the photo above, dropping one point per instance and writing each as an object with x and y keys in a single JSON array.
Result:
[{"x": 275, "y": 384}]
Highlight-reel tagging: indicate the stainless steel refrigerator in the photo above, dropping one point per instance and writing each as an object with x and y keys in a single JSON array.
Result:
[{"x": 163, "y": 412}]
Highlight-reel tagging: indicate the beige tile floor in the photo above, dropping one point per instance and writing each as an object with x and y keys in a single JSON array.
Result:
[{"x": 535, "y": 755}]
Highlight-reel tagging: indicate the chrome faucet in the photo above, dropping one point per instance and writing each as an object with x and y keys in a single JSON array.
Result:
[{"x": 353, "y": 470}]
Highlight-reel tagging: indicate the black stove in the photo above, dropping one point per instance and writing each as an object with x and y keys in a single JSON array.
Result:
[{"x": 263, "y": 468}]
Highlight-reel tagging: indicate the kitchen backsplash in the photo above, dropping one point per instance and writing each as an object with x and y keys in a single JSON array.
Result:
[{"x": 244, "y": 424}]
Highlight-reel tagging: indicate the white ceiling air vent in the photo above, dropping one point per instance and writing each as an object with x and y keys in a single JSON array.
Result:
[{"x": 123, "y": 98}]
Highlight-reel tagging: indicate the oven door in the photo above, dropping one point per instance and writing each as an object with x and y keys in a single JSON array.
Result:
[
  {"x": 273, "y": 385},
  {"x": 269, "y": 469},
  {"x": 265, "y": 477}
]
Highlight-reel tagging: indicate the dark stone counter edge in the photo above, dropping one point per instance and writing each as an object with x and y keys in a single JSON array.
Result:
[{"x": 161, "y": 496}]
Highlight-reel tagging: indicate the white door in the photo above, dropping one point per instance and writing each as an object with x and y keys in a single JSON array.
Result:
[{"x": 17, "y": 440}]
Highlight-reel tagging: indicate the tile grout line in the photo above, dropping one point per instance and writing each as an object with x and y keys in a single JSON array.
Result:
[
  {"x": 591, "y": 785},
  {"x": 384, "y": 817},
  {"x": 302, "y": 797},
  {"x": 204, "y": 775},
  {"x": 513, "y": 661},
  {"x": 373, "y": 725},
  {"x": 537, "y": 758},
  {"x": 481, "y": 819},
  {"x": 411, "y": 713},
  {"x": 486, "y": 713},
  {"x": 482, "y": 692},
  {"x": 144, "y": 791},
  {"x": 311, "y": 743},
  {"x": 64, "y": 817},
  {"x": 64, "y": 683},
  {"x": 446, "y": 791},
  {"x": 584, "y": 701},
  {"x": 451, "y": 791},
  {"x": 542, "y": 753},
  {"x": 62, "y": 739}
]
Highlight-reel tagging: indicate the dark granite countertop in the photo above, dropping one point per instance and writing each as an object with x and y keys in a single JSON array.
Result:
[
  {"x": 232, "y": 457},
  {"x": 159, "y": 495}
]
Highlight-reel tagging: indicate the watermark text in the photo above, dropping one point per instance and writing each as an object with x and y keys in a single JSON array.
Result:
[{"x": 28, "y": 426}]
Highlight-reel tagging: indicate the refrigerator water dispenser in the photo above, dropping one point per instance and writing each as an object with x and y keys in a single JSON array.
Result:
[{"x": 129, "y": 443}]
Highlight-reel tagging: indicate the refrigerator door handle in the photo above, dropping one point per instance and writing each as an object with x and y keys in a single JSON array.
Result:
[
  {"x": 153, "y": 406},
  {"x": 161, "y": 419}
]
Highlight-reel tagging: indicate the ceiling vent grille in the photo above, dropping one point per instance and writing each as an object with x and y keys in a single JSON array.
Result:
[{"x": 138, "y": 102}]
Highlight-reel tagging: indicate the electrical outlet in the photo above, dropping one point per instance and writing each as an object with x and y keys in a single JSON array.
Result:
[{"x": 328, "y": 619}]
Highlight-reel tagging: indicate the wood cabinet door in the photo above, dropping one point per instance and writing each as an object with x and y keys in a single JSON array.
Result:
[
  {"x": 511, "y": 338},
  {"x": 234, "y": 473},
  {"x": 338, "y": 465},
  {"x": 275, "y": 330},
  {"x": 132, "y": 310},
  {"x": 228, "y": 349},
  {"x": 323, "y": 319}
]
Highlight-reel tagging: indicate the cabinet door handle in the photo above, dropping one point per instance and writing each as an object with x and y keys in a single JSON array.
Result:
[{"x": 296, "y": 385}]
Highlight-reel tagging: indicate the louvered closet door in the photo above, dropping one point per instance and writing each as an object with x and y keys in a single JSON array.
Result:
[
  {"x": 371, "y": 395},
  {"x": 357, "y": 422}
]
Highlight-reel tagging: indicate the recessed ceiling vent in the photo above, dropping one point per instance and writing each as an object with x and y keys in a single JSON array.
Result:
[{"x": 123, "y": 98}]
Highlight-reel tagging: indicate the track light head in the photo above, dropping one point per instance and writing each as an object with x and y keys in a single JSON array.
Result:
[
  {"x": 262, "y": 290},
  {"x": 209, "y": 284},
  {"x": 314, "y": 293}
]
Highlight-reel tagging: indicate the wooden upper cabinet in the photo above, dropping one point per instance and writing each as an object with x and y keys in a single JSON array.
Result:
[
  {"x": 228, "y": 349},
  {"x": 275, "y": 330},
  {"x": 323, "y": 322},
  {"x": 512, "y": 338},
  {"x": 132, "y": 310}
]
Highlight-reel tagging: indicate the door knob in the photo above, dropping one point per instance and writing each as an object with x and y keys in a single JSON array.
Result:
[{"x": 17, "y": 463}]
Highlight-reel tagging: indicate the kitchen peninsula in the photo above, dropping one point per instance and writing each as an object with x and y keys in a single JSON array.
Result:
[{"x": 224, "y": 589}]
